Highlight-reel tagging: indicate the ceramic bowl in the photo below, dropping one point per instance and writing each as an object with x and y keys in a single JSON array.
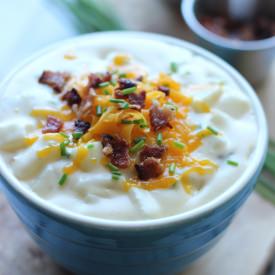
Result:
[
  {"x": 252, "y": 58},
  {"x": 88, "y": 245}
]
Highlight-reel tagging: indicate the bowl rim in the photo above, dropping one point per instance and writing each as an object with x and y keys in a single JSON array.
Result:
[
  {"x": 120, "y": 225},
  {"x": 189, "y": 16}
]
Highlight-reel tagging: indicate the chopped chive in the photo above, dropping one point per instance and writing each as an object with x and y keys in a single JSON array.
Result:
[
  {"x": 129, "y": 90},
  {"x": 104, "y": 109},
  {"x": 179, "y": 144},
  {"x": 113, "y": 82},
  {"x": 137, "y": 147},
  {"x": 138, "y": 139},
  {"x": 172, "y": 105},
  {"x": 63, "y": 179},
  {"x": 106, "y": 92},
  {"x": 112, "y": 167},
  {"x": 116, "y": 173},
  {"x": 174, "y": 67},
  {"x": 143, "y": 126},
  {"x": 77, "y": 135},
  {"x": 172, "y": 168},
  {"x": 115, "y": 177},
  {"x": 121, "y": 75},
  {"x": 63, "y": 150},
  {"x": 232, "y": 163},
  {"x": 135, "y": 121},
  {"x": 124, "y": 105},
  {"x": 90, "y": 146},
  {"x": 64, "y": 135},
  {"x": 159, "y": 138},
  {"x": 116, "y": 100},
  {"x": 98, "y": 110},
  {"x": 104, "y": 84},
  {"x": 213, "y": 131}
]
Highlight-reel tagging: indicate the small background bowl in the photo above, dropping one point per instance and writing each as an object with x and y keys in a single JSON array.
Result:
[
  {"x": 251, "y": 58},
  {"x": 89, "y": 245}
]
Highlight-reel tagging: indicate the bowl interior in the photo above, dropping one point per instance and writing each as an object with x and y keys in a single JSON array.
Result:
[{"x": 256, "y": 160}]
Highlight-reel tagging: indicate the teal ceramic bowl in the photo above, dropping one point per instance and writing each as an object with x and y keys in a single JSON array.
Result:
[{"x": 88, "y": 245}]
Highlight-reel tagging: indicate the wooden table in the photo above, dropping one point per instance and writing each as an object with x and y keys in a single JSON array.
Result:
[{"x": 248, "y": 244}]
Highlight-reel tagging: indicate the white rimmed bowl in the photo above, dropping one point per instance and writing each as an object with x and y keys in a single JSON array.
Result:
[{"x": 88, "y": 245}]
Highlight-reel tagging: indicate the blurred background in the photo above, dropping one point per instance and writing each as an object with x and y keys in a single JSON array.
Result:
[{"x": 29, "y": 25}]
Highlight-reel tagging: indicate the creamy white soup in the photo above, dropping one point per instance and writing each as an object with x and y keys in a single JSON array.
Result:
[{"x": 126, "y": 129}]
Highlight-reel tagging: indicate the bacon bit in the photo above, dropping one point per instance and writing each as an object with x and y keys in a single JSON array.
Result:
[
  {"x": 81, "y": 126},
  {"x": 164, "y": 89},
  {"x": 96, "y": 79},
  {"x": 56, "y": 80},
  {"x": 159, "y": 118},
  {"x": 119, "y": 150},
  {"x": 72, "y": 97},
  {"x": 140, "y": 78},
  {"x": 125, "y": 83},
  {"x": 154, "y": 151},
  {"x": 119, "y": 95},
  {"x": 149, "y": 168},
  {"x": 53, "y": 125},
  {"x": 137, "y": 99}
]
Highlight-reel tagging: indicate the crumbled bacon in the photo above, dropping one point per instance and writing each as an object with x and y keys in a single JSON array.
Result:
[
  {"x": 119, "y": 94},
  {"x": 117, "y": 150},
  {"x": 56, "y": 80},
  {"x": 149, "y": 168},
  {"x": 164, "y": 89},
  {"x": 81, "y": 126},
  {"x": 154, "y": 151},
  {"x": 72, "y": 97},
  {"x": 53, "y": 125},
  {"x": 140, "y": 78},
  {"x": 125, "y": 83},
  {"x": 159, "y": 118},
  {"x": 137, "y": 99},
  {"x": 96, "y": 79}
]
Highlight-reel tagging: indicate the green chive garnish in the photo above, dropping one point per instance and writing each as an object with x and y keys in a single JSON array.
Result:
[
  {"x": 174, "y": 67},
  {"x": 232, "y": 163},
  {"x": 172, "y": 106},
  {"x": 143, "y": 126},
  {"x": 77, "y": 135},
  {"x": 63, "y": 179},
  {"x": 104, "y": 84},
  {"x": 138, "y": 139},
  {"x": 116, "y": 173},
  {"x": 90, "y": 146},
  {"x": 137, "y": 147},
  {"x": 63, "y": 150},
  {"x": 135, "y": 121},
  {"x": 115, "y": 177},
  {"x": 124, "y": 105},
  {"x": 98, "y": 110},
  {"x": 117, "y": 100},
  {"x": 213, "y": 131},
  {"x": 129, "y": 90},
  {"x": 112, "y": 167},
  {"x": 179, "y": 144},
  {"x": 159, "y": 138},
  {"x": 106, "y": 92},
  {"x": 172, "y": 168},
  {"x": 64, "y": 135},
  {"x": 121, "y": 75},
  {"x": 113, "y": 82}
]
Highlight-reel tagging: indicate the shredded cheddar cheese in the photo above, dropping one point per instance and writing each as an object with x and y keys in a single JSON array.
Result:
[{"x": 110, "y": 114}]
